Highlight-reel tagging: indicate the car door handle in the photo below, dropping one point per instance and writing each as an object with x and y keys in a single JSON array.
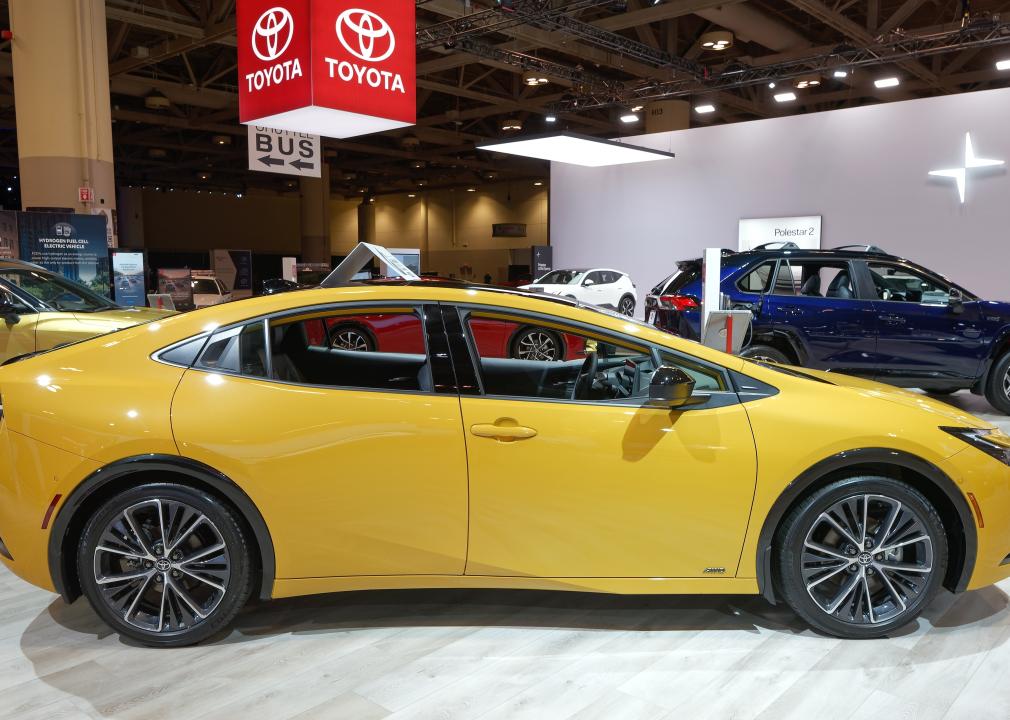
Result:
[{"x": 503, "y": 433}]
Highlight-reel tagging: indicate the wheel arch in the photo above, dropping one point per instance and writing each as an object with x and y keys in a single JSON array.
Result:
[
  {"x": 129, "y": 472},
  {"x": 786, "y": 341},
  {"x": 940, "y": 490}
]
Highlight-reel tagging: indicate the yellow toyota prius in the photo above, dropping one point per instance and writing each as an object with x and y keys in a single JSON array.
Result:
[{"x": 172, "y": 470}]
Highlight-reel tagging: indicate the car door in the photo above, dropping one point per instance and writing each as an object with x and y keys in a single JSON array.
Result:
[
  {"x": 599, "y": 486},
  {"x": 356, "y": 459},
  {"x": 816, "y": 301},
  {"x": 921, "y": 334}
]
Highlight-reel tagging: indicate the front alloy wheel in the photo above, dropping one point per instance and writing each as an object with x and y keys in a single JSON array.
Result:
[
  {"x": 862, "y": 557},
  {"x": 165, "y": 564},
  {"x": 626, "y": 306}
]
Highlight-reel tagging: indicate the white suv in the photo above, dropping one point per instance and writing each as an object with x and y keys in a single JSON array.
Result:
[{"x": 606, "y": 288}]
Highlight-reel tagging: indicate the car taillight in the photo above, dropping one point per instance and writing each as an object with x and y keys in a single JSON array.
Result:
[{"x": 678, "y": 302}]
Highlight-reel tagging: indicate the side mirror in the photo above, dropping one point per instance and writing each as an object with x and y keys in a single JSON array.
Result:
[
  {"x": 587, "y": 283},
  {"x": 9, "y": 313},
  {"x": 956, "y": 301},
  {"x": 670, "y": 387}
]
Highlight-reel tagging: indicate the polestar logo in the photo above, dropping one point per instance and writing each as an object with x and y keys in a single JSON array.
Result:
[
  {"x": 272, "y": 34},
  {"x": 960, "y": 175},
  {"x": 371, "y": 33}
]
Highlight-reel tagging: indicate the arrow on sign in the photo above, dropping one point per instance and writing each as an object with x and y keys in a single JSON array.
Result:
[
  {"x": 268, "y": 160},
  {"x": 302, "y": 165}
]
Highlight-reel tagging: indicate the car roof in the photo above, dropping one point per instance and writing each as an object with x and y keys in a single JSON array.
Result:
[{"x": 20, "y": 265}]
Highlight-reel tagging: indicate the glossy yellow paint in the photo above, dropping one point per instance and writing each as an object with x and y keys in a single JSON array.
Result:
[
  {"x": 349, "y": 482},
  {"x": 367, "y": 489}
]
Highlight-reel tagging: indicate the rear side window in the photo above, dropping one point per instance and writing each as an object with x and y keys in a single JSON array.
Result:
[
  {"x": 239, "y": 350},
  {"x": 814, "y": 278},
  {"x": 756, "y": 281},
  {"x": 381, "y": 349}
]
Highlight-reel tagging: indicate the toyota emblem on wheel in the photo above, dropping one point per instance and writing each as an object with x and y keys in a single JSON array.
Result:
[
  {"x": 368, "y": 32},
  {"x": 272, "y": 34}
]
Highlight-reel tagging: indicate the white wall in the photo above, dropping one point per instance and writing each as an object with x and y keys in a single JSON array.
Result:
[{"x": 865, "y": 170}]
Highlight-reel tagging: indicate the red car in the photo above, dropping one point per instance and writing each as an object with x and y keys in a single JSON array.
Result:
[{"x": 401, "y": 333}]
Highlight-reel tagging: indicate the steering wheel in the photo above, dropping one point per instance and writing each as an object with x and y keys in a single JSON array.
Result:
[{"x": 587, "y": 371}]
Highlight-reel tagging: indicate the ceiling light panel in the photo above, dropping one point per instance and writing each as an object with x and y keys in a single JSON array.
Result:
[{"x": 577, "y": 150}]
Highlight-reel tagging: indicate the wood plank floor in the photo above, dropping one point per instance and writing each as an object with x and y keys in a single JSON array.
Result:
[{"x": 509, "y": 654}]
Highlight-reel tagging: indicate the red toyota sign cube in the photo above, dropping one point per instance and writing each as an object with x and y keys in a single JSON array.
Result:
[{"x": 337, "y": 68}]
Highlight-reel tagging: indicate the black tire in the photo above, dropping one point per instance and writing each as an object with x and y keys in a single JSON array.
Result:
[
  {"x": 350, "y": 336},
  {"x": 997, "y": 391},
  {"x": 626, "y": 306},
  {"x": 535, "y": 343},
  {"x": 890, "y": 588},
  {"x": 766, "y": 352},
  {"x": 217, "y": 582}
]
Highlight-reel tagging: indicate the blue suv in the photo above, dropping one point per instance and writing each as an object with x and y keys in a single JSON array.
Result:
[{"x": 855, "y": 310}]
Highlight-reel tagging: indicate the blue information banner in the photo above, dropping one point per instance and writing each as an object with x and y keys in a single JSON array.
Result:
[{"x": 74, "y": 246}]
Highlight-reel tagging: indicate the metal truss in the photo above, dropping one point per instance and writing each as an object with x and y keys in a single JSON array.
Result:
[
  {"x": 483, "y": 22},
  {"x": 582, "y": 81},
  {"x": 897, "y": 47}
]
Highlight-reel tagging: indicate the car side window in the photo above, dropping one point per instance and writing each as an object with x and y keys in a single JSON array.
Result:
[
  {"x": 897, "y": 283},
  {"x": 756, "y": 281},
  {"x": 521, "y": 357},
  {"x": 375, "y": 349},
  {"x": 596, "y": 277},
  {"x": 814, "y": 278},
  {"x": 240, "y": 350}
]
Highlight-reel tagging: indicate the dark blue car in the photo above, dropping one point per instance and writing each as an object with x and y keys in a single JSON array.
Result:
[{"x": 857, "y": 311}]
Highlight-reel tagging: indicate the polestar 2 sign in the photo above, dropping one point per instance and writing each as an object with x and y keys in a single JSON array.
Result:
[
  {"x": 971, "y": 162},
  {"x": 327, "y": 67}
]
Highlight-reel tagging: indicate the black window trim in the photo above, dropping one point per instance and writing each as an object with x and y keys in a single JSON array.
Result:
[
  {"x": 419, "y": 307},
  {"x": 718, "y": 398}
]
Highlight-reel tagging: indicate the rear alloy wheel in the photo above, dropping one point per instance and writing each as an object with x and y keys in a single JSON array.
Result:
[
  {"x": 350, "y": 337},
  {"x": 765, "y": 353},
  {"x": 626, "y": 306},
  {"x": 165, "y": 564},
  {"x": 997, "y": 385},
  {"x": 536, "y": 344},
  {"x": 861, "y": 557}
]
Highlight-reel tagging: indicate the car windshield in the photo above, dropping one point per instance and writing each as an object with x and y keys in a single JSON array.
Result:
[
  {"x": 562, "y": 277},
  {"x": 55, "y": 291},
  {"x": 205, "y": 286}
]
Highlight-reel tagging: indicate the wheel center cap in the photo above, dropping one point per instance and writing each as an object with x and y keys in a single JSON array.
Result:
[
  {"x": 864, "y": 558},
  {"x": 163, "y": 565}
]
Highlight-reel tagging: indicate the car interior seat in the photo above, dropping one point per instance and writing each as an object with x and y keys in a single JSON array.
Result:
[
  {"x": 812, "y": 286},
  {"x": 840, "y": 287}
]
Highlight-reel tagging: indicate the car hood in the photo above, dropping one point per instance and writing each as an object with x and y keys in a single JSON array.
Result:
[
  {"x": 889, "y": 393},
  {"x": 122, "y": 317}
]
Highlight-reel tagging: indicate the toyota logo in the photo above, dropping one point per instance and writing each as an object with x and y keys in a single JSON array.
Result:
[
  {"x": 368, "y": 32},
  {"x": 272, "y": 34}
]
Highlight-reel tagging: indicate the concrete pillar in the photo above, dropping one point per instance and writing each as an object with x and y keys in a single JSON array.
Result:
[
  {"x": 61, "y": 91},
  {"x": 366, "y": 221},
  {"x": 316, "y": 217}
]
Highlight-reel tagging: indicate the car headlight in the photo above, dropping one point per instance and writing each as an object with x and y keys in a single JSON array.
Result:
[{"x": 990, "y": 441}]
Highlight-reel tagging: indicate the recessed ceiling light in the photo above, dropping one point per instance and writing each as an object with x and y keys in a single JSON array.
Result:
[
  {"x": 785, "y": 97},
  {"x": 538, "y": 183},
  {"x": 577, "y": 150},
  {"x": 533, "y": 78},
  {"x": 512, "y": 125},
  {"x": 471, "y": 189},
  {"x": 887, "y": 82},
  {"x": 807, "y": 81},
  {"x": 629, "y": 117},
  {"x": 704, "y": 109},
  {"x": 1003, "y": 64},
  {"x": 841, "y": 74},
  {"x": 411, "y": 195},
  {"x": 552, "y": 118},
  {"x": 638, "y": 108},
  {"x": 771, "y": 86},
  {"x": 717, "y": 40}
]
